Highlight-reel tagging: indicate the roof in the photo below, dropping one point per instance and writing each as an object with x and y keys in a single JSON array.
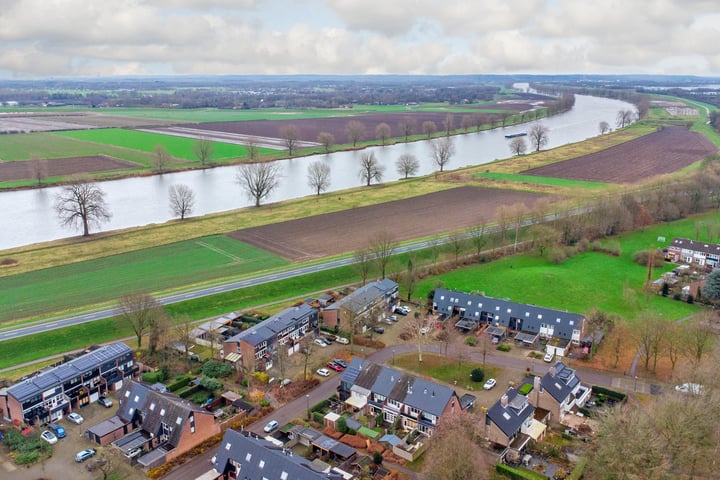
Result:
[
  {"x": 509, "y": 418},
  {"x": 107, "y": 426},
  {"x": 67, "y": 371},
  {"x": 531, "y": 316},
  {"x": 467, "y": 401},
  {"x": 156, "y": 408},
  {"x": 366, "y": 295},
  {"x": 560, "y": 381},
  {"x": 272, "y": 326},
  {"x": 259, "y": 458},
  {"x": 407, "y": 389},
  {"x": 687, "y": 244}
]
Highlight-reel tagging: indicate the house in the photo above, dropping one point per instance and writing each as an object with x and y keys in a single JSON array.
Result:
[
  {"x": 510, "y": 422},
  {"x": 695, "y": 253},
  {"x": 243, "y": 456},
  {"x": 368, "y": 301},
  {"x": 559, "y": 391},
  {"x": 55, "y": 392},
  {"x": 256, "y": 347},
  {"x": 416, "y": 403},
  {"x": 525, "y": 323},
  {"x": 161, "y": 424}
]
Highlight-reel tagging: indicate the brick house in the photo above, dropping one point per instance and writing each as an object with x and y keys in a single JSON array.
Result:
[
  {"x": 691, "y": 252},
  {"x": 559, "y": 391},
  {"x": 360, "y": 304},
  {"x": 376, "y": 389},
  {"x": 55, "y": 392},
  {"x": 510, "y": 422},
  {"x": 256, "y": 347}
]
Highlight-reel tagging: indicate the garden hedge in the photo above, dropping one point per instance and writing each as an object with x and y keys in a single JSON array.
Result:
[
  {"x": 518, "y": 473},
  {"x": 621, "y": 397}
]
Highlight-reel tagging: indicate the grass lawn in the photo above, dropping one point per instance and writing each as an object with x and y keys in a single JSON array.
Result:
[
  {"x": 179, "y": 147},
  {"x": 444, "y": 369},
  {"x": 148, "y": 270},
  {"x": 555, "y": 182}
]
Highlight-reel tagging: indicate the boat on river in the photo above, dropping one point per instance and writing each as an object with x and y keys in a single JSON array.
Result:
[{"x": 513, "y": 135}]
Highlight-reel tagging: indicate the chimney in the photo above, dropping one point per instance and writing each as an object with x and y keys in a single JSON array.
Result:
[
  {"x": 552, "y": 370},
  {"x": 504, "y": 400}
]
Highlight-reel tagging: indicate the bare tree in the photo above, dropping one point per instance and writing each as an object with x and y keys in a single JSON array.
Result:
[
  {"x": 543, "y": 237},
  {"x": 598, "y": 324},
  {"x": 698, "y": 338},
  {"x": 419, "y": 330},
  {"x": 363, "y": 261},
  {"x": 382, "y": 246},
  {"x": 429, "y": 128},
  {"x": 356, "y": 131},
  {"x": 604, "y": 127},
  {"x": 454, "y": 450},
  {"x": 258, "y": 180},
  {"x": 518, "y": 146},
  {"x": 38, "y": 168},
  {"x": 449, "y": 124},
  {"x": 624, "y": 118},
  {"x": 466, "y": 123},
  {"x": 252, "y": 150},
  {"x": 160, "y": 159},
  {"x": 370, "y": 168},
  {"x": 318, "y": 176},
  {"x": 183, "y": 334},
  {"x": 182, "y": 200},
  {"x": 306, "y": 348},
  {"x": 503, "y": 214},
  {"x": 538, "y": 136},
  {"x": 407, "y": 165},
  {"x": 383, "y": 132},
  {"x": 410, "y": 276},
  {"x": 456, "y": 242},
  {"x": 442, "y": 151},
  {"x": 326, "y": 139},
  {"x": 518, "y": 211},
  {"x": 203, "y": 150},
  {"x": 159, "y": 331},
  {"x": 647, "y": 333},
  {"x": 478, "y": 236},
  {"x": 140, "y": 311},
  {"x": 407, "y": 126},
  {"x": 81, "y": 204},
  {"x": 290, "y": 135},
  {"x": 478, "y": 120}
]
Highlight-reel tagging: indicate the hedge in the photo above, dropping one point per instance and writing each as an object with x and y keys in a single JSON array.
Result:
[
  {"x": 318, "y": 417},
  {"x": 621, "y": 397},
  {"x": 189, "y": 391},
  {"x": 150, "y": 377},
  {"x": 181, "y": 382},
  {"x": 518, "y": 473},
  {"x": 320, "y": 405},
  {"x": 578, "y": 471}
]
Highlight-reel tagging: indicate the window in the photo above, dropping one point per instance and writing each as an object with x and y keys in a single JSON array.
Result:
[
  {"x": 152, "y": 406},
  {"x": 539, "y": 316},
  {"x": 442, "y": 297}
]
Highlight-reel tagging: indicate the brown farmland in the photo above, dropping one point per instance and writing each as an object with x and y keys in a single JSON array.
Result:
[
  {"x": 665, "y": 151},
  {"x": 350, "y": 230},
  {"x": 54, "y": 167}
]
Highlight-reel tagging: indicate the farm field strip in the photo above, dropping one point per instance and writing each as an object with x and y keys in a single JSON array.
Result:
[
  {"x": 557, "y": 182},
  {"x": 53, "y": 145},
  {"x": 225, "y": 137},
  {"x": 108, "y": 278},
  {"x": 57, "y": 167}
]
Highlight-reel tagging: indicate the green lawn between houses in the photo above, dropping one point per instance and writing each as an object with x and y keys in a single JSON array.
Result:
[{"x": 149, "y": 270}]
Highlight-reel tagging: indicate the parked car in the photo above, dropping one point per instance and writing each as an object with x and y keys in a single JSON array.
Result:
[
  {"x": 694, "y": 388},
  {"x": 378, "y": 330},
  {"x": 334, "y": 366},
  {"x": 49, "y": 437},
  {"x": 321, "y": 342},
  {"x": 323, "y": 372},
  {"x": 328, "y": 340},
  {"x": 342, "y": 340},
  {"x": 491, "y": 382},
  {"x": 393, "y": 318},
  {"x": 57, "y": 430},
  {"x": 271, "y": 425},
  {"x": 548, "y": 357},
  {"x": 402, "y": 310},
  {"x": 424, "y": 330},
  {"x": 83, "y": 455},
  {"x": 340, "y": 362},
  {"x": 75, "y": 418},
  {"x": 495, "y": 340},
  {"x": 105, "y": 402}
]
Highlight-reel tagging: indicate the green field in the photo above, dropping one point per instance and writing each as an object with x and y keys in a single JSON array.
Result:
[
  {"x": 48, "y": 145},
  {"x": 179, "y": 147},
  {"x": 556, "y": 182},
  {"x": 150, "y": 270}
]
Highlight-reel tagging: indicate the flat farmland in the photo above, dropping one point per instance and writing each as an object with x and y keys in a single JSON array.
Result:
[
  {"x": 55, "y": 167},
  {"x": 346, "y": 231},
  {"x": 149, "y": 270},
  {"x": 665, "y": 151}
]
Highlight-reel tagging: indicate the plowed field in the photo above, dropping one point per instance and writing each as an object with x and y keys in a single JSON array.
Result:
[
  {"x": 350, "y": 230},
  {"x": 664, "y": 151},
  {"x": 53, "y": 167}
]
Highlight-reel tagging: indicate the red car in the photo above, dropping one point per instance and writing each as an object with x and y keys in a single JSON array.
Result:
[{"x": 334, "y": 366}]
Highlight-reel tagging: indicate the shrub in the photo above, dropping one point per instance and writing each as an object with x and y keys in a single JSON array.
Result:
[
  {"x": 322, "y": 405},
  {"x": 187, "y": 392},
  {"x": 477, "y": 375},
  {"x": 676, "y": 296},
  {"x": 215, "y": 369},
  {"x": 690, "y": 299},
  {"x": 150, "y": 377},
  {"x": 504, "y": 347},
  {"x": 599, "y": 391},
  {"x": 526, "y": 388},
  {"x": 643, "y": 257},
  {"x": 472, "y": 341},
  {"x": 200, "y": 398},
  {"x": 518, "y": 473},
  {"x": 377, "y": 458},
  {"x": 557, "y": 256},
  {"x": 210, "y": 384},
  {"x": 261, "y": 376},
  {"x": 341, "y": 425}
]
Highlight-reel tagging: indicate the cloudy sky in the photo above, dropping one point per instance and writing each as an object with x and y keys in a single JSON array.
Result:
[{"x": 53, "y": 38}]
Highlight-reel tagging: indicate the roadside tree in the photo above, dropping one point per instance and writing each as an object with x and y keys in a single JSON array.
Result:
[
  {"x": 363, "y": 260},
  {"x": 466, "y": 123},
  {"x": 258, "y": 180},
  {"x": 203, "y": 150},
  {"x": 456, "y": 243},
  {"x": 370, "y": 168},
  {"x": 407, "y": 165},
  {"x": 538, "y": 136},
  {"x": 442, "y": 151},
  {"x": 382, "y": 246},
  {"x": 477, "y": 234},
  {"x": 251, "y": 150},
  {"x": 318, "y": 176},
  {"x": 382, "y": 132},
  {"x": 455, "y": 452},
  {"x": 182, "y": 200},
  {"x": 410, "y": 276},
  {"x": 81, "y": 204},
  {"x": 419, "y": 330},
  {"x": 141, "y": 311}
]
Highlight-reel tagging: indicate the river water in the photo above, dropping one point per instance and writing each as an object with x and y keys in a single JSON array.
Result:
[{"x": 29, "y": 216}]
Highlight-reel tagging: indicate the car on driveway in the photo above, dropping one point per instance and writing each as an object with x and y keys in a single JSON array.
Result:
[
  {"x": 83, "y": 455},
  {"x": 491, "y": 382},
  {"x": 271, "y": 425},
  {"x": 340, "y": 362},
  {"x": 75, "y": 418},
  {"x": 548, "y": 357},
  {"x": 402, "y": 310},
  {"x": 334, "y": 366},
  {"x": 105, "y": 402},
  {"x": 323, "y": 372},
  {"x": 49, "y": 437},
  {"x": 342, "y": 340},
  {"x": 321, "y": 342},
  {"x": 378, "y": 330}
]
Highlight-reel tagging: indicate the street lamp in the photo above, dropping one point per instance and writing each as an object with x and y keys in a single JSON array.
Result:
[
  {"x": 307, "y": 401},
  {"x": 635, "y": 383},
  {"x": 393, "y": 357}
]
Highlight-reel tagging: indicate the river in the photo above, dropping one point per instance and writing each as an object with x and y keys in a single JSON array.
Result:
[{"x": 29, "y": 217}]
